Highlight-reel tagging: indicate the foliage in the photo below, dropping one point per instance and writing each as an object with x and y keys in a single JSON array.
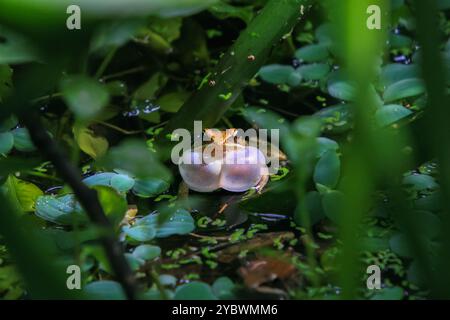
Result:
[{"x": 363, "y": 180}]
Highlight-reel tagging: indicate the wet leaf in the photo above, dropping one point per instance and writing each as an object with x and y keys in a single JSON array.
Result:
[{"x": 404, "y": 89}]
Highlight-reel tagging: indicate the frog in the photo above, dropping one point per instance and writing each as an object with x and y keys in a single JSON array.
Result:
[{"x": 239, "y": 168}]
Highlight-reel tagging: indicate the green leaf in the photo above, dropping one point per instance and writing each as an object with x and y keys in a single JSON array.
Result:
[
  {"x": 114, "y": 34},
  {"x": 147, "y": 252},
  {"x": 328, "y": 169},
  {"x": 86, "y": 97},
  {"x": 341, "y": 90},
  {"x": 142, "y": 232},
  {"x": 324, "y": 34},
  {"x": 134, "y": 157},
  {"x": 316, "y": 71},
  {"x": 114, "y": 204},
  {"x": 21, "y": 193},
  {"x": 398, "y": 41},
  {"x": 89, "y": 143},
  {"x": 223, "y": 10},
  {"x": 420, "y": 182},
  {"x": 15, "y": 48},
  {"x": 119, "y": 182},
  {"x": 395, "y": 72},
  {"x": 194, "y": 290},
  {"x": 63, "y": 210},
  {"x": 104, "y": 290},
  {"x": 180, "y": 222},
  {"x": 400, "y": 245},
  {"x": 404, "y": 89},
  {"x": 390, "y": 114},
  {"x": 150, "y": 187},
  {"x": 390, "y": 293},
  {"x": 313, "y": 200},
  {"x": 266, "y": 119},
  {"x": 223, "y": 288},
  {"x": 324, "y": 145},
  {"x": 336, "y": 119},
  {"x": 332, "y": 204},
  {"x": 312, "y": 53},
  {"x": 6, "y": 142},
  {"x": 276, "y": 73},
  {"x": 22, "y": 140},
  {"x": 173, "y": 101},
  {"x": 8, "y": 124}
]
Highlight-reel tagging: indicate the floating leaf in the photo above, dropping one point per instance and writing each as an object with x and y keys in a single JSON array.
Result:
[
  {"x": 180, "y": 222},
  {"x": 150, "y": 187},
  {"x": 312, "y": 53},
  {"x": 63, "y": 210},
  {"x": 389, "y": 293},
  {"x": 104, "y": 290},
  {"x": 395, "y": 72},
  {"x": 147, "y": 252},
  {"x": 223, "y": 288},
  {"x": 194, "y": 290},
  {"x": 314, "y": 71},
  {"x": 420, "y": 182},
  {"x": 140, "y": 232},
  {"x": 336, "y": 119},
  {"x": 390, "y": 114},
  {"x": 404, "y": 89},
  {"x": 119, "y": 182},
  {"x": 276, "y": 73},
  {"x": 332, "y": 204},
  {"x": 342, "y": 90},
  {"x": 328, "y": 169}
]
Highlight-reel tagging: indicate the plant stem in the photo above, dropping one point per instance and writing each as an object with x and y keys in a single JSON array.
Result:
[
  {"x": 238, "y": 65},
  {"x": 105, "y": 63},
  {"x": 86, "y": 196}
]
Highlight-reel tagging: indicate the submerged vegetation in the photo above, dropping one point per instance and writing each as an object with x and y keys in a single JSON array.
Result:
[{"x": 86, "y": 118}]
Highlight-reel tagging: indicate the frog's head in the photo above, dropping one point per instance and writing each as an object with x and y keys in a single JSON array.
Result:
[{"x": 221, "y": 136}]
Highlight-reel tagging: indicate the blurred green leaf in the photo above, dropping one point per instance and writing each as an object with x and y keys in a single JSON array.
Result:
[
  {"x": 150, "y": 187},
  {"x": 134, "y": 157},
  {"x": 395, "y": 72},
  {"x": 6, "y": 142},
  {"x": 95, "y": 146},
  {"x": 390, "y": 114},
  {"x": 328, "y": 169},
  {"x": 104, "y": 290},
  {"x": 63, "y": 210},
  {"x": 22, "y": 140},
  {"x": 194, "y": 291},
  {"x": 84, "y": 96},
  {"x": 147, "y": 252},
  {"x": 276, "y": 73},
  {"x": 314, "y": 71},
  {"x": 312, "y": 53},
  {"x": 22, "y": 194}
]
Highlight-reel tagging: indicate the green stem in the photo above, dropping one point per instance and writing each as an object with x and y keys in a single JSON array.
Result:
[
  {"x": 238, "y": 65},
  {"x": 105, "y": 63}
]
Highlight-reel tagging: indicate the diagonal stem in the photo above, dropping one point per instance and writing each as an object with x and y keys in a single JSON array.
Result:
[{"x": 86, "y": 196}]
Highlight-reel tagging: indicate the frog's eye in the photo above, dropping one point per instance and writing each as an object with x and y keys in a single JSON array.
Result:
[
  {"x": 242, "y": 169},
  {"x": 199, "y": 175}
]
